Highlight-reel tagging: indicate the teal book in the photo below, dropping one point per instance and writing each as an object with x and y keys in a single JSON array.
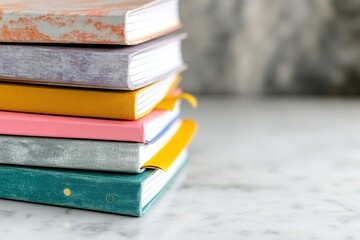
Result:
[{"x": 119, "y": 193}]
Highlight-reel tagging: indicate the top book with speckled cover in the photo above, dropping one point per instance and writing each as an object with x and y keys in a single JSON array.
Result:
[{"x": 123, "y": 22}]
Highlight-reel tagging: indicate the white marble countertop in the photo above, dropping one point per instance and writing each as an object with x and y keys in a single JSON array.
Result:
[{"x": 260, "y": 169}]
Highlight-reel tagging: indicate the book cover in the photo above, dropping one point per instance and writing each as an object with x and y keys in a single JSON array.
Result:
[
  {"x": 120, "y": 193},
  {"x": 143, "y": 130},
  {"x": 129, "y": 105},
  {"x": 98, "y": 155},
  {"x": 125, "y": 22},
  {"x": 107, "y": 67}
]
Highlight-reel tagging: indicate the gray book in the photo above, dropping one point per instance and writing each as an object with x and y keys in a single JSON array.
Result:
[
  {"x": 83, "y": 154},
  {"x": 95, "y": 66}
]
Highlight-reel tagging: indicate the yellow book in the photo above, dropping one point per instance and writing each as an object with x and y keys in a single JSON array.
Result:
[{"x": 129, "y": 105}]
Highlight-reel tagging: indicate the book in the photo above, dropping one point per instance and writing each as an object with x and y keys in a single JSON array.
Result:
[
  {"x": 98, "y": 155},
  {"x": 120, "y": 193},
  {"x": 129, "y": 105},
  {"x": 126, "y": 22},
  {"x": 144, "y": 130},
  {"x": 107, "y": 67}
]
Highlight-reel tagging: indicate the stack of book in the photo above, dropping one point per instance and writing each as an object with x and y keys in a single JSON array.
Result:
[{"x": 90, "y": 103}]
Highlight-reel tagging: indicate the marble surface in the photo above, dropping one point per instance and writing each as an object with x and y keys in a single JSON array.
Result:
[{"x": 260, "y": 169}]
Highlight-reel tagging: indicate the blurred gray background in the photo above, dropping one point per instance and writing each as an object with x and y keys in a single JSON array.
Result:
[{"x": 254, "y": 47}]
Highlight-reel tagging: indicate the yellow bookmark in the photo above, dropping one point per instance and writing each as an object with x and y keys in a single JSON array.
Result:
[
  {"x": 169, "y": 102},
  {"x": 168, "y": 154}
]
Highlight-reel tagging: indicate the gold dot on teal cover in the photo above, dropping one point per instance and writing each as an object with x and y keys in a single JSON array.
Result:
[{"x": 67, "y": 192}]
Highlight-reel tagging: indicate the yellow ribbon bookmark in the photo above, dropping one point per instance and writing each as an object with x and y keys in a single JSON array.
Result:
[
  {"x": 169, "y": 102},
  {"x": 168, "y": 154}
]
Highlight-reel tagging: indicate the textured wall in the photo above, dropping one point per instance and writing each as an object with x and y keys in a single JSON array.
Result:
[{"x": 277, "y": 46}]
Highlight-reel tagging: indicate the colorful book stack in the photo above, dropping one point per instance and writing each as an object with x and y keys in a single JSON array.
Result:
[{"x": 86, "y": 121}]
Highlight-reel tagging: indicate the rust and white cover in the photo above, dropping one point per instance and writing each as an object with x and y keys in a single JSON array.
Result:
[{"x": 124, "y": 22}]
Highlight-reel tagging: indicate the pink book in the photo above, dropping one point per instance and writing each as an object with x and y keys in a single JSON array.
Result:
[{"x": 143, "y": 130}]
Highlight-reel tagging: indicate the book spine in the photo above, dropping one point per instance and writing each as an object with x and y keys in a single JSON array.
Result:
[
  {"x": 98, "y": 27},
  {"x": 68, "y": 101},
  {"x": 70, "y": 153},
  {"x": 70, "y": 189},
  {"x": 25, "y": 124},
  {"x": 64, "y": 66}
]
